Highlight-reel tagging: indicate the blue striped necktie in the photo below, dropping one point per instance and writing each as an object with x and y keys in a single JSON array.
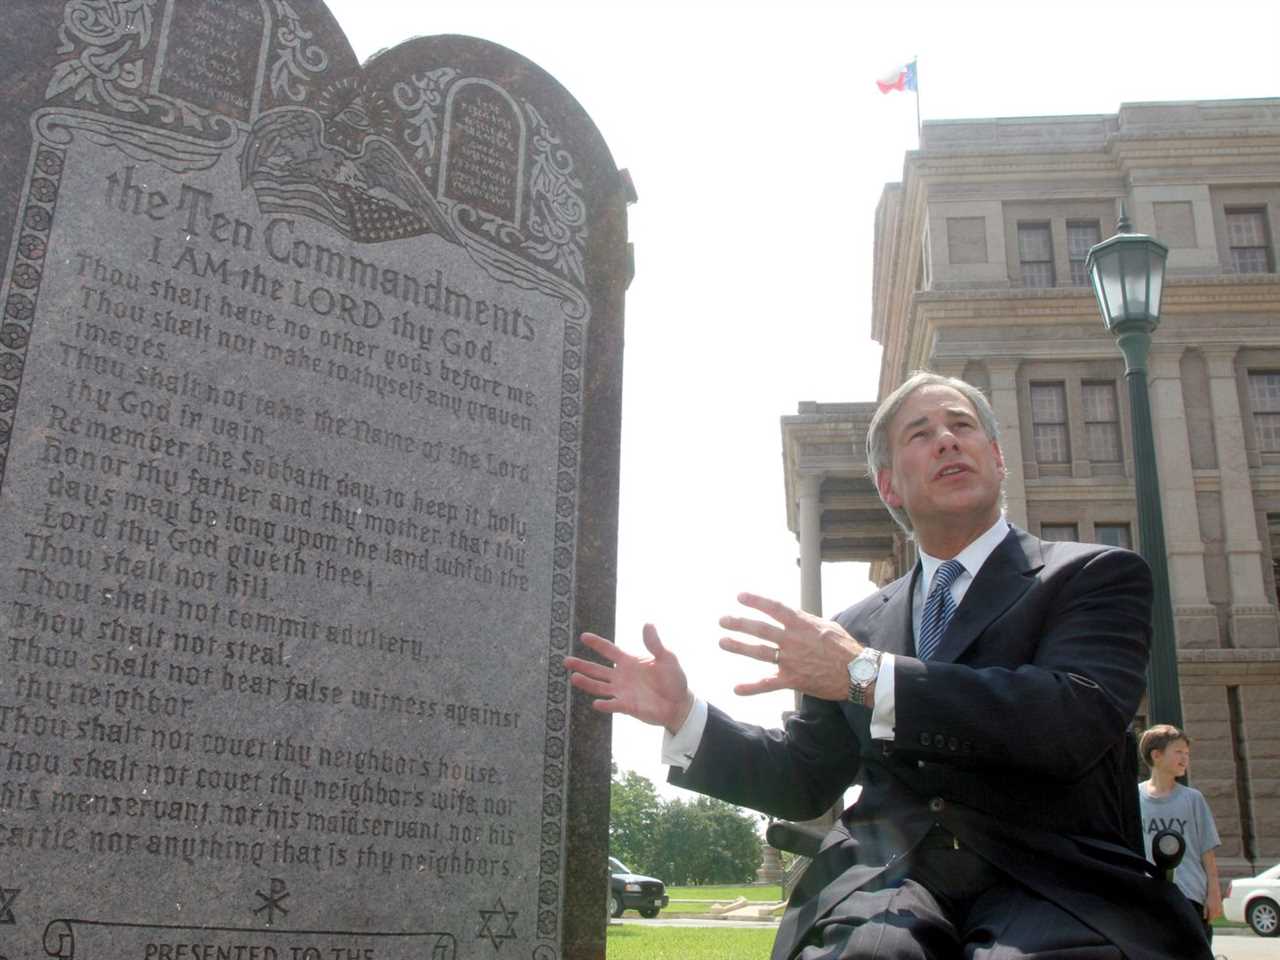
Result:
[{"x": 939, "y": 608}]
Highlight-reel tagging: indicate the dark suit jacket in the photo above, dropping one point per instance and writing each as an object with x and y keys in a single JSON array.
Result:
[{"x": 1013, "y": 737}]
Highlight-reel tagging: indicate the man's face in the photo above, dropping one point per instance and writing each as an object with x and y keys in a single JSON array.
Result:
[
  {"x": 944, "y": 471},
  {"x": 1173, "y": 759}
]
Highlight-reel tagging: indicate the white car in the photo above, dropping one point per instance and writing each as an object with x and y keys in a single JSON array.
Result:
[{"x": 1255, "y": 901}]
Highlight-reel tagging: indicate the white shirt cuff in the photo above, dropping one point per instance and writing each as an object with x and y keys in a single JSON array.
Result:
[
  {"x": 882, "y": 714},
  {"x": 678, "y": 748}
]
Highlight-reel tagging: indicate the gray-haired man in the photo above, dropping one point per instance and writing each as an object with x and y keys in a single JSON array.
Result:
[{"x": 981, "y": 703}]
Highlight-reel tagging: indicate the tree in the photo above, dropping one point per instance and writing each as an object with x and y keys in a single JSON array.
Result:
[
  {"x": 696, "y": 841},
  {"x": 738, "y": 852},
  {"x": 703, "y": 841},
  {"x": 634, "y": 810}
]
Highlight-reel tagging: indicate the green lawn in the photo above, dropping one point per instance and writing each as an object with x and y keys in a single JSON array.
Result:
[{"x": 636, "y": 942}]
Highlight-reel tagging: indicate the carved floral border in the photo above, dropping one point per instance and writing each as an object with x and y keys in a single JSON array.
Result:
[
  {"x": 555, "y": 753},
  {"x": 35, "y": 222}
]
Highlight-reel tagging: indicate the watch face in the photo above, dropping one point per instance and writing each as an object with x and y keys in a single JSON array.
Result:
[{"x": 862, "y": 671}]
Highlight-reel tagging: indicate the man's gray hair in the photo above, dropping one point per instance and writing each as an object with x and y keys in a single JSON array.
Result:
[{"x": 879, "y": 456}]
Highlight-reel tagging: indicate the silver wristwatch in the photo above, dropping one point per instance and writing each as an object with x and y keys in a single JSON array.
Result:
[{"x": 862, "y": 674}]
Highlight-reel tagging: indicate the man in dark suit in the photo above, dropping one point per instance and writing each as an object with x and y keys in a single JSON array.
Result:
[{"x": 980, "y": 704}]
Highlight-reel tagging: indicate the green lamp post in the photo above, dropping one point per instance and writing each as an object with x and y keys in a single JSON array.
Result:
[{"x": 1127, "y": 272}]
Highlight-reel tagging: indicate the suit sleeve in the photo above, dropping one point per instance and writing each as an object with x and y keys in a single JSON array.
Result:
[
  {"x": 795, "y": 774},
  {"x": 1059, "y": 691}
]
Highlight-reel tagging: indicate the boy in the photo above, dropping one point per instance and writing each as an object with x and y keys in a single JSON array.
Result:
[{"x": 1167, "y": 804}]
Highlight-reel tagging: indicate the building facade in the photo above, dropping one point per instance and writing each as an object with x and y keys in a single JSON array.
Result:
[{"x": 979, "y": 273}]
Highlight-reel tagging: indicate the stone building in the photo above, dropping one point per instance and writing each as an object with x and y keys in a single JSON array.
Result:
[{"x": 979, "y": 273}]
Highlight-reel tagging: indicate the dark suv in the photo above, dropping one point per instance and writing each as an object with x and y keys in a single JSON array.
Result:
[{"x": 630, "y": 891}]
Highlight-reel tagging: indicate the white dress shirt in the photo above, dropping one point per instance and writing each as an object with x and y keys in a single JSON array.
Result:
[{"x": 678, "y": 748}]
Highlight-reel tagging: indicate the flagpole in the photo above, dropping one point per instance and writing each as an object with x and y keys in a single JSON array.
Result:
[{"x": 916, "y": 61}]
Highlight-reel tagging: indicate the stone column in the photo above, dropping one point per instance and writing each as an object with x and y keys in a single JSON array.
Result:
[
  {"x": 809, "y": 494},
  {"x": 810, "y": 498},
  {"x": 1195, "y": 620},
  {"x": 1253, "y": 617},
  {"x": 1004, "y": 400}
]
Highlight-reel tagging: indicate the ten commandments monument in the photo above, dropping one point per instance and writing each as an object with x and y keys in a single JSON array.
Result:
[{"x": 309, "y": 405}]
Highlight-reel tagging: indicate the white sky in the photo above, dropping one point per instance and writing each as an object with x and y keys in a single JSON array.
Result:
[{"x": 759, "y": 145}]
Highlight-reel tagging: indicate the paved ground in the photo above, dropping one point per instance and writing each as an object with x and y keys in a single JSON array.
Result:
[{"x": 1245, "y": 946}]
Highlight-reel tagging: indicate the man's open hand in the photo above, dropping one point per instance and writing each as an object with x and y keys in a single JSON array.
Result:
[
  {"x": 652, "y": 689},
  {"x": 812, "y": 655}
]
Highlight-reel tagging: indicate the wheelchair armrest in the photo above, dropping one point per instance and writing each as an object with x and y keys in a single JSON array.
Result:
[
  {"x": 794, "y": 838},
  {"x": 1167, "y": 848}
]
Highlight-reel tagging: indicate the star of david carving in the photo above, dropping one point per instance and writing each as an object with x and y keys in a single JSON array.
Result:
[
  {"x": 486, "y": 927},
  {"x": 7, "y": 896}
]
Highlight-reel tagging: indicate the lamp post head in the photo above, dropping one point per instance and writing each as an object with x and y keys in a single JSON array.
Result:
[{"x": 1127, "y": 273}]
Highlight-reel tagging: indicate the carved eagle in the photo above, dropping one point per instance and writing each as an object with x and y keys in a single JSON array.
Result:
[{"x": 369, "y": 196}]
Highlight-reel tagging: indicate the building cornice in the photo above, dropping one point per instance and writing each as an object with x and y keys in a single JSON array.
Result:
[
  {"x": 1074, "y": 489},
  {"x": 1133, "y": 122},
  {"x": 1249, "y": 666},
  {"x": 1051, "y": 324},
  {"x": 1251, "y": 293}
]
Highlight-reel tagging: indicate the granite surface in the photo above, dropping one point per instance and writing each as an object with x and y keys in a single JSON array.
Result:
[{"x": 310, "y": 383}]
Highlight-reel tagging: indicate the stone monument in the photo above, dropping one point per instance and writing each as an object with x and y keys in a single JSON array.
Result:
[{"x": 309, "y": 409}]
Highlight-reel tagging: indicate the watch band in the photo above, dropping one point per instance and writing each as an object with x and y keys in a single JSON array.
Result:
[{"x": 858, "y": 688}]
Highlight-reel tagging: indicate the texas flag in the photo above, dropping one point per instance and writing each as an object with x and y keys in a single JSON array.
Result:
[{"x": 900, "y": 78}]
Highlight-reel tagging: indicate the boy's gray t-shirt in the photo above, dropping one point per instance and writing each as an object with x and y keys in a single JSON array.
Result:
[{"x": 1185, "y": 810}]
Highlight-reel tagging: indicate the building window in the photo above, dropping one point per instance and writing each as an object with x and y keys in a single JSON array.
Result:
[
  {"x": 1058, "y": 531},
  {"x": 1264, "y": 399},
  {"x": 1101, "y": 421},
  {"x": 1035, "y": 253},
  {"x": 1049, "y": 422},
  {"x": 1273, "y": 535},
  {"x": 1113, "y": 534},
  {"x": 1081, "y": 235},
  {"x": 1247, "y": 237}
]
